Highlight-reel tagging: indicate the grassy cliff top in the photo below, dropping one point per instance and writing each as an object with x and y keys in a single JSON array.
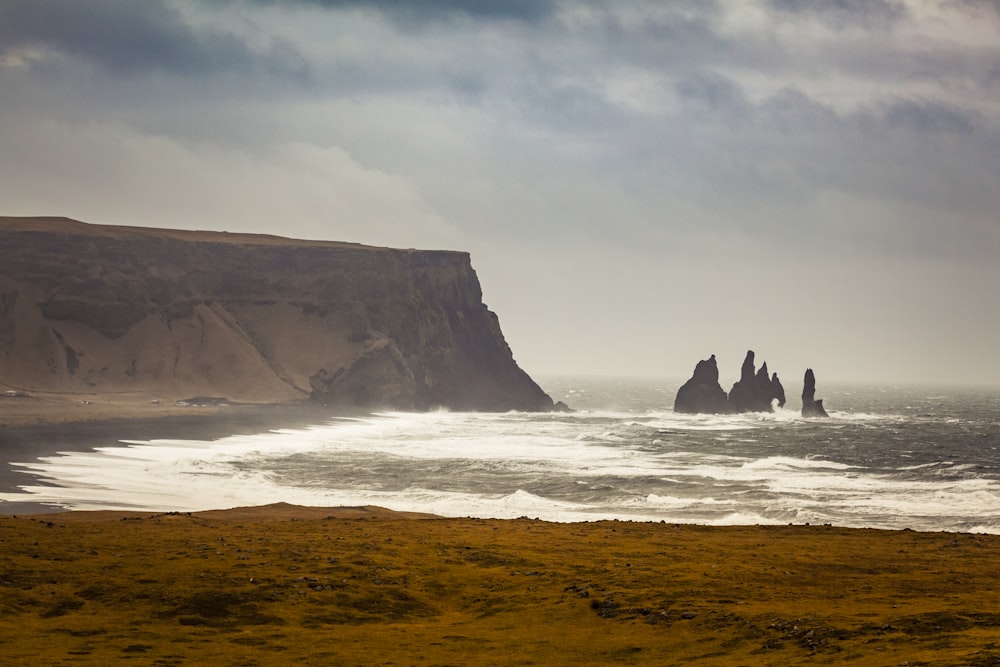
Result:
[{"x": 64, "y": 225}]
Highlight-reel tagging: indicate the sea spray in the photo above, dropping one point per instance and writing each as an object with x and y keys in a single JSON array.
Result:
[{"x": 912, "y": 458}]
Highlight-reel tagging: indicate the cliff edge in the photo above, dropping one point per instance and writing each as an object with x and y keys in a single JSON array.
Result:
[{"x": 174, "y": 313}]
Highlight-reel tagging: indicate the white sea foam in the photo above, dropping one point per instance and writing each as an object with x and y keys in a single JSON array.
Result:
[
  {"x": 790, "y": 463},
  {"x": 646, "y": 464}
]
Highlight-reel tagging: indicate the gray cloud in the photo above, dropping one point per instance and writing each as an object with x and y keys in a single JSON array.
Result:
[
  {"x": 129, "y": 37},
  {"x": 709, "y": 93},
  {"x": 615, "y": 168},
  {"x": 925, "y": 117},
  {"x": 430, "y": 11},
  {"x": 841, "y": 14},
  {"x": 976, "y": 6}
]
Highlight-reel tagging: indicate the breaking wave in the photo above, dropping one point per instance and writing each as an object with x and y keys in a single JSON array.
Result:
[{"x": 929, "y": 465}]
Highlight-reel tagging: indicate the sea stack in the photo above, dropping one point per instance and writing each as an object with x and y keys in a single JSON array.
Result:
[
  {"x": 702, "y": 393},
  {"x": 778, "y": 390},
  {"x": 811, "y": 407},
  {"x": 754, "y": 391}
]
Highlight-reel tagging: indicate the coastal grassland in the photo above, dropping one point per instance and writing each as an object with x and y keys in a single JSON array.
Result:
[{"x": 358, "y": 586}]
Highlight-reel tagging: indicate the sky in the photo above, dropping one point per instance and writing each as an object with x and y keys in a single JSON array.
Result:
[{"x": 640, "y": 184}]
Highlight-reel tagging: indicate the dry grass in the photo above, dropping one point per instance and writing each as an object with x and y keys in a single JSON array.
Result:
[
  {"x": 284, "y": 585},
  {"x": 54, "y": 224}
]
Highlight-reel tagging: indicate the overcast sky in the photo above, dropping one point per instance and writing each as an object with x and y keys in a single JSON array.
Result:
[{"x": 640, "y": 184}]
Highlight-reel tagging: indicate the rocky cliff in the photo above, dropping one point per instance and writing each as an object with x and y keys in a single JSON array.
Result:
[{"x": 172, "y": 313}]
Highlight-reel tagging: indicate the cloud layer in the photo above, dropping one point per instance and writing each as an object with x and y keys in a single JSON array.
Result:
[{"x": 641, "y": 184}]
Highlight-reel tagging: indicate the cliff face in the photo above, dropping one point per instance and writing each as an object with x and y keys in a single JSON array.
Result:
[{"x": 171, "y": 313}]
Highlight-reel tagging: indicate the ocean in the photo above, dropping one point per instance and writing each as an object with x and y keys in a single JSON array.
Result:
[{"x": 917, "y": 457}]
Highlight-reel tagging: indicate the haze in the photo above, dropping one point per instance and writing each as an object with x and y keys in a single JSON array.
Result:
[{"x": 640, "y": 184}]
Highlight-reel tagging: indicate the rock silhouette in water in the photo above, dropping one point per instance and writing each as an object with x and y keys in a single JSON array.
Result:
[
  {"x": 702, "y": 393},
  {"x": 754, "y": 391},
  {"x": 811, "y": 407},
  {"x": 779, "y": 391}
]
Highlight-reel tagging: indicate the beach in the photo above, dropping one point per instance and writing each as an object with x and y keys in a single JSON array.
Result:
[
  {"x": 35, "y": 427},
  {"x": 282, "y": 584}
]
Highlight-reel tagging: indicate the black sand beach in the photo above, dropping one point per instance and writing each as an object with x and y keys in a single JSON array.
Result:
[{"x": 24, "y": 443}]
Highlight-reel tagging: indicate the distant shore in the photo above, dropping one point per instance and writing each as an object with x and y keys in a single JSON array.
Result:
[
  {"x": 52, "y": 409},
  {"x": 32, "y": 428}
]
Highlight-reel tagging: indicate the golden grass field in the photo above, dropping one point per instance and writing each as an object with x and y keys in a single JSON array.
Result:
[{"x": 283, "y": 585}]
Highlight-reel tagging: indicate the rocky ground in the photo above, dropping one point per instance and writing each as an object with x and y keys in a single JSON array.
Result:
[{"x": 286, "y": 585}]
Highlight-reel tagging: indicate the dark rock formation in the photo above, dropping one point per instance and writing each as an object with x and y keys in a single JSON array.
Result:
[
  {"x": 811, "y": 407},
  {"x": 754, "y": 391},
  {"x": 743, "y": 395},
  {"x": 778, "y": 390},
  {"x": 702, "y": 393},
  {"x": 172, "y": 313}
]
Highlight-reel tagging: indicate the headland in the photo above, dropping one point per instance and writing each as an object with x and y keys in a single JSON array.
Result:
[{"x": 136, "y": 315}]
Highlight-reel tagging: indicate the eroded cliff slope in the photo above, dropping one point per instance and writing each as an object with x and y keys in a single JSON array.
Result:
[{"x": 171, "y": 313}]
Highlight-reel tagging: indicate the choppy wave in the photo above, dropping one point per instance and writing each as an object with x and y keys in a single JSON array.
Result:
[{"x": 934, "y": 468}]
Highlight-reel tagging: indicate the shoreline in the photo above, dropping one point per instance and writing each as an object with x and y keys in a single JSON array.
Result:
[
  {"x": 51, "y": 410},
  {"x": 26, "y": 443},
  {"x": 284, "y": 511},
  {"x": 31, "y": 435}
]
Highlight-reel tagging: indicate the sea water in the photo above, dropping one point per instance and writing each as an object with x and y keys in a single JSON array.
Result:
[{"x": 920, "y": 457}]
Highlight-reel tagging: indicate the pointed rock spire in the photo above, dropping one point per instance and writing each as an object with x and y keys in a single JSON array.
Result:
[
  {"x": 755, "y": 390},
  {"x": 810, "y": 406}
]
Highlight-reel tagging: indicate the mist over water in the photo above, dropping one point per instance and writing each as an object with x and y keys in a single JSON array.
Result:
[{"x": 926, "y": 458}]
